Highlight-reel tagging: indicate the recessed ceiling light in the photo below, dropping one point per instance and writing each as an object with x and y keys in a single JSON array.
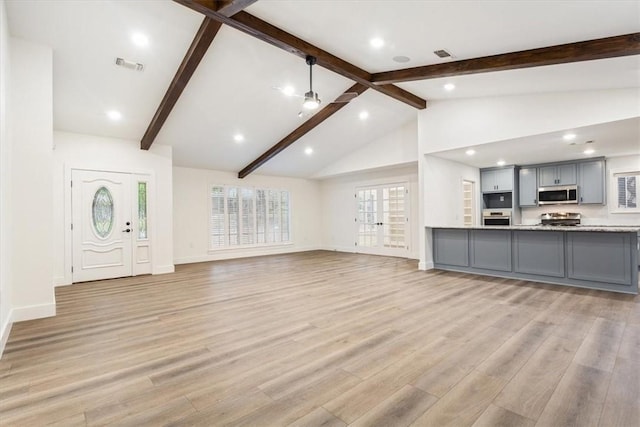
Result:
[
  {"x": 449, "y": 87},
  {"x": 238, "y": 137},
  {"x": 114, "y": 115},
  {"x": 288, "y": 90},
  {"x": 308, "y": 151},
  {"x": 470, "y": 152},
  {"x": 589, "y": 151},
  {"x": 401, "y": 59},
  {"x": 569, "y": 136},
  {"x": 140, "y": 39},
  {"x": 501, "y": 163},
  {"x": 376, "y": 42},
  {"x": 364, "y": 115}
]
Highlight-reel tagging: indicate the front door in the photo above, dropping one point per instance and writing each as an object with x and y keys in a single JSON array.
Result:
[
  {"x": 381, "y": 219},
  {"x": 102, "y": 225}
]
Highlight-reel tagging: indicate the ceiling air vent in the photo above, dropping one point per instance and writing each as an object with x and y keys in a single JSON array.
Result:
[
  {"x": 442, "y": 53},
  {"x": 129, "y": 65}
]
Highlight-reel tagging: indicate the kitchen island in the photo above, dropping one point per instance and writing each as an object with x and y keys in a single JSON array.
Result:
[{"x": 602, "y": 257}]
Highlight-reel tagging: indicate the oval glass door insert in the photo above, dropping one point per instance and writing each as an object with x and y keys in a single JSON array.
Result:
[{"x": 102, "y": 212}]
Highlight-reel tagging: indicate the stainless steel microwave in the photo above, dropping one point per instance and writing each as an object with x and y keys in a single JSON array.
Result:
[{"x": 560, "y": 195}]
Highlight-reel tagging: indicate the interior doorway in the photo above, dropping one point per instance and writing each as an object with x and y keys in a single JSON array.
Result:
[{"x": 382, "y": 221}]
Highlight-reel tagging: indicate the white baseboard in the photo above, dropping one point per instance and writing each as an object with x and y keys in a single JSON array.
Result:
[
  {"x": 31, "y": 312},
  {"x": 347, "y": 249},
  {"x": 4, "y": 332},
  {"x": 244, "y": 253},
  {"x": 164, "y": 269},
  {"x": 425, "y": 266},
  {"x": 60, "y": 281}
]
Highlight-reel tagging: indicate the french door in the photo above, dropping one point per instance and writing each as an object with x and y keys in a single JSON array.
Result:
[
  {"x": 382, "y": 220},
  {"x": 110, "y": 235}
]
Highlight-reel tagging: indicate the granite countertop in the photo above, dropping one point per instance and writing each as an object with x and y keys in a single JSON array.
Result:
[{"x": 607, "y": 228}]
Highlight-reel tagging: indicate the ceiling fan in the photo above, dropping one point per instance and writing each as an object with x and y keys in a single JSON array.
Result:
[{"x": 311, "y": 99}]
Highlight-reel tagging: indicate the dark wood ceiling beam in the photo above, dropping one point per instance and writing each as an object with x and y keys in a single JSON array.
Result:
[
  {"x": 199, "y": 46},
  {"x": 609, "y": 47},
  {"x": 273, "y": 35},
  {"x": 230, "y": 7},
  {"x": 303, "y": 129},
  {"x": 205, "y": 35}
]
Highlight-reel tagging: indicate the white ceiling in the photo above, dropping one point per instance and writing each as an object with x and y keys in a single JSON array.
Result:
[
  {"x": 618, "y": 138},
  {"x": 232, "y": 91}
]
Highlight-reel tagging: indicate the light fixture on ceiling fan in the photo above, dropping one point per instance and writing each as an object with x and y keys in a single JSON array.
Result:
[{"x": 311, "y": 99}]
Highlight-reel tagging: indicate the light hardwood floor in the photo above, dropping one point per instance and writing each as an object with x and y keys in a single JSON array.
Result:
[{"x": 325, "y": 339}]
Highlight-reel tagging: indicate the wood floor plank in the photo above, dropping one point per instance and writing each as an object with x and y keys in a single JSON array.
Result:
[
  {"x": 529, "y": 391},
  {"x": 600, "y": 348},
  {"x": 510, "y": 356},
  {"x": 441, "y": 378},
  {"x": 578, "y": 399},
  {"x": 622, "y": 405},
  {"x": 318, "y": 418},
  {"x": 400, "y": 409},
  {"x": 323, "y": 338},
  {"x": 464, "y": 404},
  {"x": 495, "y": 416}
]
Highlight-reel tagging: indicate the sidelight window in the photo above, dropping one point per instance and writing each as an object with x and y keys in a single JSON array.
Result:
[{"x": 142, "y": 210}]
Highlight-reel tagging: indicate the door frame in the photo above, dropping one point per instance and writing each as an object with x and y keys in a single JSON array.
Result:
[
  {"x": 68, "y": 214},
  {"x": 393, "y": 252}
]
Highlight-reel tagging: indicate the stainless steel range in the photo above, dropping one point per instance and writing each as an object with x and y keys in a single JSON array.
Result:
[{"x": 560, "y": 218}]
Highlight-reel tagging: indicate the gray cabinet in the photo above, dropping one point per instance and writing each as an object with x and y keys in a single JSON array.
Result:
[
  {"x": 496, "y": 180},
  {"x": 528, "y": 186},
  {"x": 604, "y": 260},
  {"x": 601, "y": 257},
  {"x": 561, "y": 174},
  {"x": 591, "y": 180},
  {"x": 490, "y": 249},
  {"x": 451, "y": 247},
  {"x": 538, "y": 252}
]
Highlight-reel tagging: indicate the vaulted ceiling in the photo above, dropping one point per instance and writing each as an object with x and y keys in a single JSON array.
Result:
[{"x": 231, "y": 90}]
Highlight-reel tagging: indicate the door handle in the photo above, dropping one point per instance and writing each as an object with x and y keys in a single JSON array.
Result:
[{"x": 128, "y": 230}]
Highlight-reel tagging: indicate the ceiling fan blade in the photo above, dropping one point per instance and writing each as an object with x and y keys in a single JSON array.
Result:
[{"x": 346, "y": 97}]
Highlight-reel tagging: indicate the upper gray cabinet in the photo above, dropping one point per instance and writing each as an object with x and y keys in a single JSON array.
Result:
[
  {"x": 562, "y": 174},
  {"x": 496, "y": 180},
  {"x": 591, "y": 179},
  {"x": 528, "y": 186}
]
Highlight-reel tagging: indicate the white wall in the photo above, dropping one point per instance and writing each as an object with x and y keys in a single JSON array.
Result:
[
  {"x": 98, "y": 153},
  {"x": 459, "y": 123},
  {"x": 398, "y": 147},
  {"x": 191, "y": 190},
  {"x": 595, "y": 214},
  {"x": 32, "y": 199},
  {"x": 441, "y": 199},
  {"x": 442, "y": 191},
  {"x": 339, "y": 208},
  {"x": 5, "y": 181}
]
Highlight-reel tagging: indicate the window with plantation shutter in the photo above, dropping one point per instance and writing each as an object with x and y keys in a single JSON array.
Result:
[
  {"x": 245, "y": 216},
  {"x": 248, "y": 218},
  {"x": 261, "y": 216},
  {"x": 217, "y": 217}
]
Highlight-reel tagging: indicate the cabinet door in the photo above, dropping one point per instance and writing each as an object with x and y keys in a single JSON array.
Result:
[
  {"x": 488, "y": 181},
  {"x": 528, "y": 187},
  {"x": 504, "y": 179},
  {"x": 547, "y": 176},
  {"x": 591, "y": 182},
  {"x": 567, "y": 174}
]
